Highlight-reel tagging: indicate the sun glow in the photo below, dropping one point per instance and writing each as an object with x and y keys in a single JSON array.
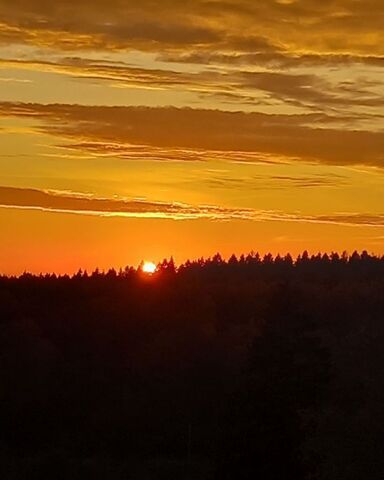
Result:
[{"x": 149, "y": 267}]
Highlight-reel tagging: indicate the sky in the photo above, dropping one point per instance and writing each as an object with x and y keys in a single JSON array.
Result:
[{"x": 140, "y": 130}]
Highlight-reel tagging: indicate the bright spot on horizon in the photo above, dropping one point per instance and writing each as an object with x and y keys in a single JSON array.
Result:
[{"x": 149, "y": 267}]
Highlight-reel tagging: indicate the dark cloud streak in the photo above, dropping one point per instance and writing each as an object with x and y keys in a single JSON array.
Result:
[{"x": 284, "y": 136}]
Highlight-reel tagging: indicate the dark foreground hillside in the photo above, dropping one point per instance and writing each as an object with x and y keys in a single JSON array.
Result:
[{"x": 251, "y": 369}]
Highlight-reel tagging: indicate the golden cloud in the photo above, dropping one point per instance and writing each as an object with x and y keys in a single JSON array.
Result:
[
  {"x": 339, "y": 25},
  {"x": 100, "y": 129}
]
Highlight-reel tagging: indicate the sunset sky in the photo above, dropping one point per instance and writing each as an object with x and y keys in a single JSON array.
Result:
[{"x": 135, "y": 130}]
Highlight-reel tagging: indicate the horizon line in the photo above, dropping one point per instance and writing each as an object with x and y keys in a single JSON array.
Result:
[{"x": 246, "y": 258}]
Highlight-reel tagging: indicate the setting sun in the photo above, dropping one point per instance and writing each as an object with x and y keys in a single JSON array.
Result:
[{"x": 149, "y": 267}]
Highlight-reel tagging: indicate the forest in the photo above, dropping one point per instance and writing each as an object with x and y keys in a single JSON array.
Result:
[{"x": 256, "y": 367}]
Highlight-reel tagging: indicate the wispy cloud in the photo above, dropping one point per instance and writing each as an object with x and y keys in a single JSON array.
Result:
[
  {"x": 273, "y": 59},
  {"x": 234, "y": 85},
  {"x": 14, "y": 80},
  {"x": 278, "y": 182},
  {"x": 103, "y": 130},
  {"x": 75, "y": 203}
]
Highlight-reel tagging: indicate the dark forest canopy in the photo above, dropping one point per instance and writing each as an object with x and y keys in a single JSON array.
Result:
[{"x": 255, "y": 367}]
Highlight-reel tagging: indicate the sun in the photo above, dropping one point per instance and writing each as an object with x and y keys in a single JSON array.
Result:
[{"x": 149, "y": 267}]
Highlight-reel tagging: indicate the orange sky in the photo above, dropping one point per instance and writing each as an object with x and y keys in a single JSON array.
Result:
[{"x": 133, "y": 130}]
